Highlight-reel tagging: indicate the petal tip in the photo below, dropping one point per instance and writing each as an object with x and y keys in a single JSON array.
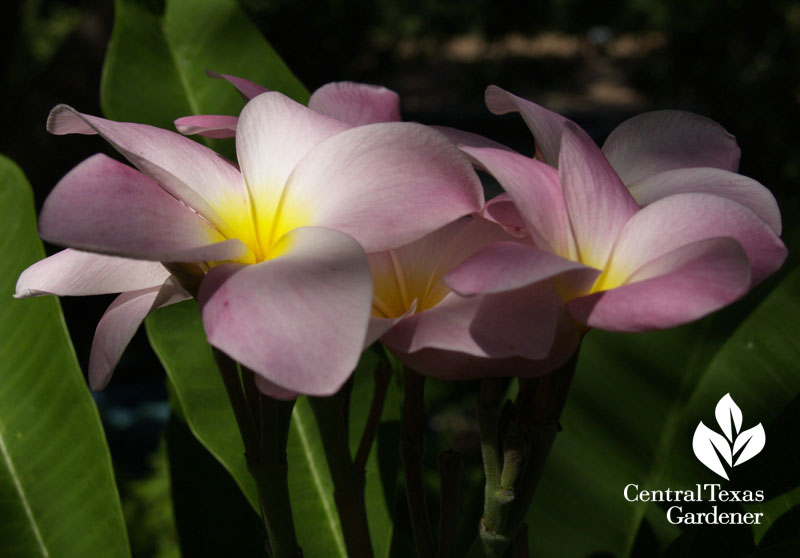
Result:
[
  {"x": 63, "y": 120},
  {"x": 498, "y": 100}
]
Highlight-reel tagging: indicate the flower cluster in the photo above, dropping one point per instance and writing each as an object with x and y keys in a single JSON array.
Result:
[{"x": 342, "y": 225}]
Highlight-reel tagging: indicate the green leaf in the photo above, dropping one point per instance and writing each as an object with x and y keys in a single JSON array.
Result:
[
  {"x": 311, "y": 488},
  {"x": 57, "y": 491},
  {"x": 155, "y": 65},
  {"x": 631, "y": 416}
]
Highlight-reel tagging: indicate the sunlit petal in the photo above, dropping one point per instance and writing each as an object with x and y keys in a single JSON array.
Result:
[
  {"x": 299, "y": 319},
  {"x": 663, "y": 140}
]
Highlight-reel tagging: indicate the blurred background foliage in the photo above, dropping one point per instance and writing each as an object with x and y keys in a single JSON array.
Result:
[{"x": 737, "y": 62}]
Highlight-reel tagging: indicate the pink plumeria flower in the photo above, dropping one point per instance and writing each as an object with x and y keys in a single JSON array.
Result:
[
  {"x": 439, "y": 333},
  {"x": 428, "y": 327},
  {"x": 281, "y": 239},
  {"x": 655, "y": 154},
  {"x": 621, "y": 267}
]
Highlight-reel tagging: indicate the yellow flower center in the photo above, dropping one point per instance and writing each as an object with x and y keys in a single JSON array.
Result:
[
  {"x": 262, "y": 235},
  {"x": 397, "y": 290}
]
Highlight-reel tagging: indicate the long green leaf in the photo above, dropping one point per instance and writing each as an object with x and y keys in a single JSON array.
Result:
[
  {"x": 155, "y": 65},
  {"x": 311, "y": 488},
  {"x": 632, "y": 412},
  {"x": 57, "y": 491}
]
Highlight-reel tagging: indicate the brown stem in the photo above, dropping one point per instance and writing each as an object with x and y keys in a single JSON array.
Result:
[
  {"x": 450, "y": 464},
  {"x": 412, "y": 449},
  {"x": 383, "y": 375}
]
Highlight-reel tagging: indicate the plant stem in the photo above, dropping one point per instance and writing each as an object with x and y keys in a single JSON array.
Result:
[
  {"x": 233, "y": 386},
  {"x": 411, "y": 450},
  {"x": 270, "y": 472},
  {"x": 521, "y": 542},
  {"x": 253, "y": 399},
  {"x": 450, "y": 464},
  {"x": 524, "y": 443},
  {"x": 265, "y": 453},
  {"x": 348, "y": 480},
  {"x": 488, "y": 413},
  {"x": 540, "y": 409},
  {"x": 383, "y": 375}
]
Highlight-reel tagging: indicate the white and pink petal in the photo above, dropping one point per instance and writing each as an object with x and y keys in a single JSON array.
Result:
[
  {"x": 535, "y": 189},
  {"x": 707, "y": 180},
  {"x": 192, "y": 173},
  {"x": 208, "y": 125},
  {"x": 502, "y": 210},
  {"x": 597, "y": 202},
  {"x": 672, "y": 222},
  {"x": 75, "y": 273},
  {"x": 120, "y": 322},
  {"x": 519, "y": 323},
  {"x": 675, "y": 288},
  {"x": 356, "y": 103},
  {"x": 545, "y": 125},
  {"x": 507, "y": 266},
  {"x": 385, "y": 184},
  {"x": 273, "y": 134},
  {"x": 248, "y": 89},
  {"x": 104, "y": 206},
  {"x": 663, "y": 140},
  {"x": 300, "y": 319}
]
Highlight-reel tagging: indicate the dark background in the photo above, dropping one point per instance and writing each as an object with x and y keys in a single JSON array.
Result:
[{"x": 737, "y": 62}]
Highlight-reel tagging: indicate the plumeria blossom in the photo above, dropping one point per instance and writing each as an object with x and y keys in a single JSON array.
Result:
[
  {"x": 277, "y": 243},
  {"x": 428, "y": 327},
  {"x": 439, "y": 333},
  {"x": 655, "y": 154},
  {"x": 670, "y": 262}
]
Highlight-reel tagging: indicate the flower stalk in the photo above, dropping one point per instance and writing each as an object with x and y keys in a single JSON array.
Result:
[
  {"x": 515, "y": 453},
  {"x": 383, "y": 375},
  {"x": 264, "y": 425},
  {"x": 450, "y": 465},
  {"x": 412, "y": 448},
  {"x": 331, "y": 414}
]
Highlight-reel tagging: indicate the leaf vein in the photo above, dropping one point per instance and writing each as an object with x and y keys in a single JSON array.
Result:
[{"x": 23, "y": 498}]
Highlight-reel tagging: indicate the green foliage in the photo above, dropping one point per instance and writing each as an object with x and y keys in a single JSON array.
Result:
[
  {"x": 147, "y": 505},
  {"x": 57, "y": 493},
  {"x": 156, "y": 61}
]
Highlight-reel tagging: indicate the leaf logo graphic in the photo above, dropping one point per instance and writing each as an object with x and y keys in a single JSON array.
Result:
[{"x": 735, "y": 447}]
